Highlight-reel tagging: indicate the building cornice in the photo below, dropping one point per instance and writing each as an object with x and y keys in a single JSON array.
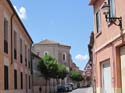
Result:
[
  {"x": 33, "y": 54},
  {"x": 11, "y": 6},
  {"x": 91, "y": 2},
  {"x": 110, "y": 41},
  {"x": 50, "y": 42}
]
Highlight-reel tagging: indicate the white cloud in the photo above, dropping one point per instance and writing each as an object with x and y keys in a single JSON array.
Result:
[
  {"x": 81, "y": 58},
  {"x": 21, "y": 12}
]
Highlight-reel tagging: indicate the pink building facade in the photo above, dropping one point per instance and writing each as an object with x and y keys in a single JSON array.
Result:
[
  {"x": 15, "y": 48},
  {"x": 109, "y": 48}
]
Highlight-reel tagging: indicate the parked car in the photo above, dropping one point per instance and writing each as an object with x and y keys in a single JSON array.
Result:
[
  {"x": 64, "y": 88},
  {"x": 70, "y": 88},
  {"x": 72, "y": 85}
]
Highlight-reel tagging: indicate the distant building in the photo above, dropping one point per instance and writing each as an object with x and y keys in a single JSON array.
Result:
[
  {"x": 15, "y": 52},
  {"x": 74, "y": 67},
  {"x": 59, "y": 51},
  {"x": 87, "y": 73},
  {"x": 88, "y": 69}
]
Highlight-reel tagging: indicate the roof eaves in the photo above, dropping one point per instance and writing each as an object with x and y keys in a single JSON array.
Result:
[
  {"x": 9, "y": 2},
  {"x": 35, "y": 55},
  {"x": 65, "y": 45},
  {"x": 91, "y": 2}
]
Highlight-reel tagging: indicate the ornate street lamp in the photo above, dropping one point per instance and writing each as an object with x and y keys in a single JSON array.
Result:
[{"x": 115, "y": 20}]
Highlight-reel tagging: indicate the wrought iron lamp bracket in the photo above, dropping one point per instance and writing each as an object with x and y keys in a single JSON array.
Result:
[{"x": 115, "y": 20}]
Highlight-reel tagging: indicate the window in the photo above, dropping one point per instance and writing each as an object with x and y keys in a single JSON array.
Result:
[
  {"x": 98, "y": 21},
  {"x": 21, "y": 51},
  {"x": 21, "y": 76},
  {"x": 29, "y": 56},
  {"x": 29, "y": 83},
  {"x": 45, "y": 52},
  {"x": 6, "y": 76},
  {"x": 64, "y": 56},
  {"x": 25, "y": 55},
  {"x": 26, "y": 81},
  {"x": 112, "y": 8},
  {"x": 15, "y": 45},
  {"x": 15, "y": 79},
  {"x": 5, "y": 36}
]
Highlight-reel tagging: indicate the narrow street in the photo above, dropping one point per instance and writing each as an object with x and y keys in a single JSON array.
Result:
[{"x": 83, "y": 90}]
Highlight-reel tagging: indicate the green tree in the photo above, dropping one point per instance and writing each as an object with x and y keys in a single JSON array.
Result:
[
  {"x": 48, "y": 66},
  {"x": 76, "y": 76},
  {"x": 62, "y": 72}
]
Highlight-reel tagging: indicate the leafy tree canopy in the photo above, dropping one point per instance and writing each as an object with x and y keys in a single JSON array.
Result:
[
  {"x": 62, "y": 71},
  {"x": 48, "y": 66},
  {"x": 76, "y": 76}
]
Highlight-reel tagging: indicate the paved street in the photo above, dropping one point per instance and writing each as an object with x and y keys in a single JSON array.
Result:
[{"x": 83, "y": 90}]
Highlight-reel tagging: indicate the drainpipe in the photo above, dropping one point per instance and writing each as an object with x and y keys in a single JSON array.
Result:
[{"x": 11, "y": 20}]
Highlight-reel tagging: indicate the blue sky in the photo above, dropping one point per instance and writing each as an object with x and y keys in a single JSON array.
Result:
[{"x": 65, "y": 21}]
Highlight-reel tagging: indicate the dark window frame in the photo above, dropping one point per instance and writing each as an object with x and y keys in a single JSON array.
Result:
[
  {"x": 6, "y": 78},
  {"x": 6, "y": 36},
  {"x": 112, "y": 8},
  {"x": 29, "y": 58},
  {"x": 98, "y": 21},
  {"x": 64, "y": 56},
  {"x": 25, "y": 55},
  {"x": 21, "y": 80},
  {"x": 15, "y": 79},
  {"x": 21, "y": 51},
  {"x": 26, "y": 81},
  {"x": 29, "y": 82}
]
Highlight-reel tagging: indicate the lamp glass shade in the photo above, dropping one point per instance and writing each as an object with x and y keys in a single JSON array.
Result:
[{"x": 105, "y": 8}]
